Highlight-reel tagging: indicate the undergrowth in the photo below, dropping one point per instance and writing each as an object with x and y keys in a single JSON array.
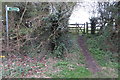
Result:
[
  {"x": 69, "y": 70},
  {"x": 100, "y": 54},
  {"x": 74, "y": 54},
  {"x": 106, "y": 59}
]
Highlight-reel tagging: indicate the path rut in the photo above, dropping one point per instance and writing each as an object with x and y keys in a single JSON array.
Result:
[{"x": 90, "y": 62}]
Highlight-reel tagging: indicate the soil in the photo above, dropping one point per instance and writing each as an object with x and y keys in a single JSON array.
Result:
[{"x": 90, "y": 62}]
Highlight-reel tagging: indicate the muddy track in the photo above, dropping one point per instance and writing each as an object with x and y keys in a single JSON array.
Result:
[{"x": 90, "y": 62}]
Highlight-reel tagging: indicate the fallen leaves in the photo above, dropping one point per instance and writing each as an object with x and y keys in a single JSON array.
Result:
[{"x": 25, "y": 66}]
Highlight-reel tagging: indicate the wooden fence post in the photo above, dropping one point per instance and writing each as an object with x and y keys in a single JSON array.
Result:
[
  {"x": 78, "y": 29},
  {"x": 84, "y": 29},
  {"x": 87, "y": 27}
]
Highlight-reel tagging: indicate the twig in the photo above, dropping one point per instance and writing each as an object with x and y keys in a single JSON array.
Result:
[{"x": 18, "y": 27}]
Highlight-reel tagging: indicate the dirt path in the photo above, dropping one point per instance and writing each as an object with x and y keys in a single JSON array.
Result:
[{"x": 90, "y": 62}]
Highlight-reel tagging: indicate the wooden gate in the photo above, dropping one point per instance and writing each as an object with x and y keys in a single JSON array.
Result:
[
  {"x": 77, "y": 27},
  {"x": 83, "y": 28}
]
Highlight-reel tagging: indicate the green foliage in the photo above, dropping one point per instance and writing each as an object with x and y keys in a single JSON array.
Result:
[
  {"x": 74, "y": 53},
  {"x": 79, "y": 72},
  {"x": 58, "y": 51},
  {"x": 42, "y": 7},
  {"x": 61, "y": 63},
  {"x": 107, "y": 38},
  {"x": 40, "y": 65},
  {"x": 24, "y": 31},
  {"x": 110, "y": 15},
  {"x": 104, "y": 58},
  {"x": 69, "y": 70},
  {"x": 53, "y": 25},
  {"x": 21, "y": 70}
]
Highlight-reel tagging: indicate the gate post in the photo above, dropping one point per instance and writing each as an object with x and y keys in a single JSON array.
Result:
[
  {"x": 86, "y": 27},
  {"x": 93, "y": 25},
  {"x": 78, "y": 29}
]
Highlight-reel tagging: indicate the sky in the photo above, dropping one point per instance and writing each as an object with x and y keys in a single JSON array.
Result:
[{"x": 81, "y": 14}]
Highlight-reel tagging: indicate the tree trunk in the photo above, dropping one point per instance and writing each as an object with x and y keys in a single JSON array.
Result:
[{"x": 93, "y": 27}]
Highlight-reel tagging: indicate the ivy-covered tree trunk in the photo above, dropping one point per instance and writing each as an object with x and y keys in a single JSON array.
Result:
[{"x": 55, "y": 26}]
